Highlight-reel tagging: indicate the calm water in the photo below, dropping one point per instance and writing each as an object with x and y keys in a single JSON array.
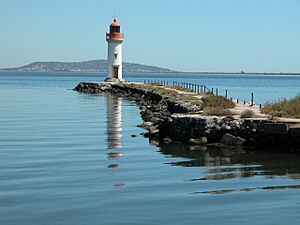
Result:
[{"x": 69, "y": 158}]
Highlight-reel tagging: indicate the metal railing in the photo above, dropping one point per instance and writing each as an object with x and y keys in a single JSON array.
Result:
[
  {"x": 197, "y": 88},
  {"x": 200, "y": 88}
]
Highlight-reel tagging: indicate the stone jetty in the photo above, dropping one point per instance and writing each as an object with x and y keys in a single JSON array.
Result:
[{"x": 172, "y": 114}]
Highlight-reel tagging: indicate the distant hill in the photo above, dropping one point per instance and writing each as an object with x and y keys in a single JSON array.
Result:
[{"x": 86, "y": 66}]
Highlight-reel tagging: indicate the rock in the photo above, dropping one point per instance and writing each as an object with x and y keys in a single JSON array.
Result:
[
  {"x": 133, "y": 135},
  {"x": 231, "y": 140},
  {"x": 145, "y": 125},
  {"x": 167, "y": 140},
  {"x": 112, "y": 80},
  {"x": 153, "y": 131},
  {"x": 198, "y": 141}
]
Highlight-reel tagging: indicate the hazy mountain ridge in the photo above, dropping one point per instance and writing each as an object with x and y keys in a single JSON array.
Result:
[{"x": 85, "y": 66}]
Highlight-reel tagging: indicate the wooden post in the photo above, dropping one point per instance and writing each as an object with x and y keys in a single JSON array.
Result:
[
  {"x": 252, "y": 99},
  {"x": 226, "y": 94}
]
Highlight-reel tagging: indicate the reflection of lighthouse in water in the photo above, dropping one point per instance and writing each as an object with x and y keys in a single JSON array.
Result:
[{"x": 114, "y": 122}]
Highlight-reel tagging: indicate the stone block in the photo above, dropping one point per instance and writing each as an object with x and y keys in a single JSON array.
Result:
[
  {"x": 275, "y": 128},
  {"x": 294, "y": 131}
]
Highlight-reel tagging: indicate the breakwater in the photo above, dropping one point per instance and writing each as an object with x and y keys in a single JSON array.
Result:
[{"x": 172, "y": 115}]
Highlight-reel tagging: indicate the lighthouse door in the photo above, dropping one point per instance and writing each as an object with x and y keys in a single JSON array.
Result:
[{"x": 116, "y": 72}]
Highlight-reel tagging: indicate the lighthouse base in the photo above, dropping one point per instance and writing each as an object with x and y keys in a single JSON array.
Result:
[{"x": 111, "y": 79}]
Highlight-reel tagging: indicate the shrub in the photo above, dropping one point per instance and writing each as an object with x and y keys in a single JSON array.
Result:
[
  {"x": 155, "y": 84},
  {"x": 284, "y": 107},
  {"x": 212, "y": 101},
  {"x": 247, "y": 113}
]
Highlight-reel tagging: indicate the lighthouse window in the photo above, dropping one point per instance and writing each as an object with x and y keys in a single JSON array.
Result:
[
  {"x": 116, "y": 55},
  {"x": 114, "y": 29}
]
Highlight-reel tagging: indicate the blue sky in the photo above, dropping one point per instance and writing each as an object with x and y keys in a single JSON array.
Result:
[{"x": 187, "y": 35}]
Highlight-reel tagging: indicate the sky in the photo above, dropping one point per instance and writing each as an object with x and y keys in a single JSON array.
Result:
[{"x": 184, "y": 35}]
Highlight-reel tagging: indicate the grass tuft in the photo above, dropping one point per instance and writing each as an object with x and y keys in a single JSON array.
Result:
[
  {"x": 284, "y": 107},
  {"x": 180, "y": 88},
  {"x": 212, "y": 101}
]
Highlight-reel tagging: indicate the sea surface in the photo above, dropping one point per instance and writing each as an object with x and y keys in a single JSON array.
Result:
[{"x": 68, "y": 158}]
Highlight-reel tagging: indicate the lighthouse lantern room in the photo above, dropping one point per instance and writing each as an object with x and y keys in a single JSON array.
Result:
[{"x": 114, "y": 57}]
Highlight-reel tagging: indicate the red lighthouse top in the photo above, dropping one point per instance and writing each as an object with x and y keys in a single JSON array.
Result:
[
  {"x": 114, "y": 31},
  {"x": 115, "y": 23}
]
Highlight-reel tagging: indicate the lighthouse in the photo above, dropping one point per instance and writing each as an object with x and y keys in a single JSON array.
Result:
[{"x": 114, "y": 55}]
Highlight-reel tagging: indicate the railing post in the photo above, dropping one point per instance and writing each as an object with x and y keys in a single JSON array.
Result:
[{"x": 217, "y": 91}]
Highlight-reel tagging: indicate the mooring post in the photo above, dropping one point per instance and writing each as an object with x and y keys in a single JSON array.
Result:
[
  {"x": 252, "y": 99},
  {"x": 237, "y": 101},
  {"x": 226, "y": 94},
  {"x": 260, "y": 106}
]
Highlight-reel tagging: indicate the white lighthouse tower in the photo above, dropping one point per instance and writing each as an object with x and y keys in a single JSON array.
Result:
[{"x": 114, "y": 56}]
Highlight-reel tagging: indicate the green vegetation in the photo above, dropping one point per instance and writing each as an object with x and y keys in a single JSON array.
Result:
[
  {"x": 154, "y": 84},
  {"x": 211, "y": 104},
  {"x": 212, "y": 101},
  {"x": 180, "y": 88},
  {"x": 284, "y": 107},
  {"x": 217, "y": 105},
  {"x": 144, "y": 126}
]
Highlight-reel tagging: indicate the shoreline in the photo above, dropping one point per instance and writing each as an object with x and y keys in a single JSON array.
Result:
[
  {"x": 156, "y": 72},
  {"x": 174, "y": 116}
]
